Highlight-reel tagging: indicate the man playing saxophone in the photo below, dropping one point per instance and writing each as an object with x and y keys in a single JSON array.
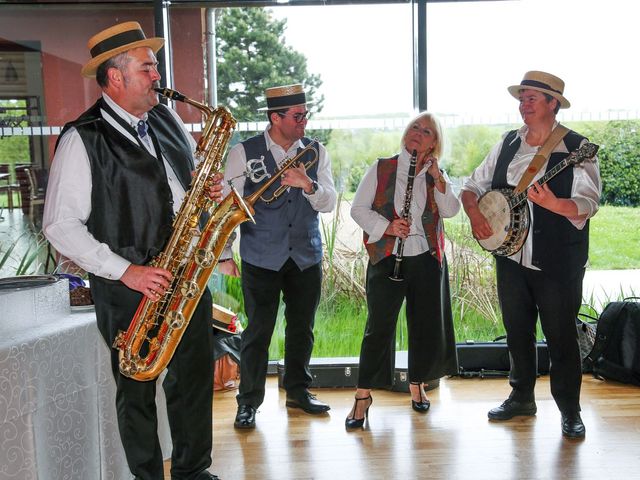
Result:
[
  {"x": 281, "y": 252},
  {"x": 118, "y": 176}
]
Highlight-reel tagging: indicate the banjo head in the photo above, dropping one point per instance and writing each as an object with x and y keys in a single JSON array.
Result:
[{"x": 510, "y": 226}]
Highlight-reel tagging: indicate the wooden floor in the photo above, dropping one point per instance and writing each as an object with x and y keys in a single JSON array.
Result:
[{"x": 454, "y": 440}]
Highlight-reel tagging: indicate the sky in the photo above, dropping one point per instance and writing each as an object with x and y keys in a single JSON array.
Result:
[{"x": 476, "y": 50}]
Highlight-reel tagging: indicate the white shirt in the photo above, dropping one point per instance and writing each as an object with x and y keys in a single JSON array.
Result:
[
  {"x": 585, "y": 191},
  {"x": 68, "y": 201},
  {"x": 375, "y": 224}
]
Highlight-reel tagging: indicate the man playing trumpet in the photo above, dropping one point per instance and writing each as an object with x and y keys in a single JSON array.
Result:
[{"x": 282, "y": 251}]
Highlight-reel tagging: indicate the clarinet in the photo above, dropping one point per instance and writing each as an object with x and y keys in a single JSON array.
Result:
[{"x": 396, "y": 276}]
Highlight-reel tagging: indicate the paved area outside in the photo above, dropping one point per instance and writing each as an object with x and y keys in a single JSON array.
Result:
[{"x": 603, "y": 286}]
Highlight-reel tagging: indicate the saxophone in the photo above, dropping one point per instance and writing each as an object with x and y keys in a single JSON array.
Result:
[{"x": 149, "y": 343}]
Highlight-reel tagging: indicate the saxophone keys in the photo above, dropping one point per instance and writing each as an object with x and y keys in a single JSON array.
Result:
[
  {"x": 190, "y": 289},
  {"x": 204, "y": 258},
  {"x": 175, "y": 319}
]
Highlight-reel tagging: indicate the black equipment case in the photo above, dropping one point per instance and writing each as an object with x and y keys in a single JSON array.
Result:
[
  {"x": 343, "y": 373},
  {"x": 491, "y": 359}
]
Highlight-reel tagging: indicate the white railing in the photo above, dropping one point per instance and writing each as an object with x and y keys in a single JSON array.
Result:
[{"x": 380, "y": 123}]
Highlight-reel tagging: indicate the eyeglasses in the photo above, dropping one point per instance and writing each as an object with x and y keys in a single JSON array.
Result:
[{"x": 297, "y": 117}]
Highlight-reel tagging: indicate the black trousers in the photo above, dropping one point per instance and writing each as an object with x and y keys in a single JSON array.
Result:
[
  {"x": 432, "y": 348},
  {"x": 524, "y": 295},
  {"x": 188, "y": 387},
  {"x": 301, "y": 294}
]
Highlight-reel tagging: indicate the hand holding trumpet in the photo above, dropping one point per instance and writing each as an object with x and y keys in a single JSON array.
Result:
[{"x": 297, "y": 177}]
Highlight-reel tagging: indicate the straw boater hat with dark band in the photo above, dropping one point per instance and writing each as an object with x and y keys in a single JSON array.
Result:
[
  {"x": 542, "y": 82},
  {"x": 287, "y": 96},
  {"x": 225, "y": 320},
  {"x": 114, "y": 40}
]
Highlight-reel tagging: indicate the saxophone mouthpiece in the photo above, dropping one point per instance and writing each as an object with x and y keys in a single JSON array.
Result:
[{"x": 171, "y": 94}]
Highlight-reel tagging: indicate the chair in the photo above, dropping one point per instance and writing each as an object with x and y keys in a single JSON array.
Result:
[
  {"x": 23, "y": 182},
  {"x": 7, "y": 186},
  {"x": 36, "y": 195}
]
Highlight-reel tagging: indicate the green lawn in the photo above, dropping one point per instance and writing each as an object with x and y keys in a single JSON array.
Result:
[{"x": 614, "y": 239}]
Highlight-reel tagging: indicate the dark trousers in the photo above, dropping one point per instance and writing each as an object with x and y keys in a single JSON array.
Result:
[
  {"x": 524, "y": 295},
  {"x": 188, "y": 387},
  {"x": 301, "y": 294},
  {"x": 432, "y": 351}
]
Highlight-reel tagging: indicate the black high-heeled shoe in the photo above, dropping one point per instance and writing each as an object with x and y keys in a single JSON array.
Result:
[
  {"x": 423, "y": 405},
  {"x": 352, "y": 421}
]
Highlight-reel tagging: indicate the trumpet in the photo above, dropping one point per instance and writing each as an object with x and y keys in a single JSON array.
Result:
[{"x": 292, "y": 162}]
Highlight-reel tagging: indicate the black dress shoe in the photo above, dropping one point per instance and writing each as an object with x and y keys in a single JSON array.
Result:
[
  {"x": 245, "y": 417},
  {"x": 307, "y": 402},
  {"x": 511, "y": 408},
  {"x": 572, "y": 426}
]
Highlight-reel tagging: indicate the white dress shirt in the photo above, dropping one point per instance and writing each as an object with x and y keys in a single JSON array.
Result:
[
  {"x": 68, "y": 200},
  {"x": 585, "y": 191},
  {"x": 375, "y": 224}
]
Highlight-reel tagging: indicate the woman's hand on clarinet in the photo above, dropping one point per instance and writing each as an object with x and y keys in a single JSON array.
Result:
[{"x": 398, "y": 228}]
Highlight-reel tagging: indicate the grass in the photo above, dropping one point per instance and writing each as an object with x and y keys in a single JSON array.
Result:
[{"x": 614, "y": 239}]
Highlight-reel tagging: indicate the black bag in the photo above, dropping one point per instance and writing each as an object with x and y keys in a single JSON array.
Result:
[{"x": 616, "y": 351}]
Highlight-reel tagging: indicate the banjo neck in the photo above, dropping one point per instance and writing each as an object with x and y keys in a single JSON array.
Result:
[{"x": 517, "y": 199}]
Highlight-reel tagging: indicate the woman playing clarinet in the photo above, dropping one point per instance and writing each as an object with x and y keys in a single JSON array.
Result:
[{"x": 400, "y": 204}]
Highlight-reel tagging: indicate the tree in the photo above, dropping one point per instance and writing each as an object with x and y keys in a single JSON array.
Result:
[{"x": 252, "y": 55}]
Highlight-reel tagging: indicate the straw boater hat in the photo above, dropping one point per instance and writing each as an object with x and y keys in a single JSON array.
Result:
[
  {"x": 287, "y": 96},
  {"x": 542, "y": 82},
  {"x": 114, "y": 40},
  {"x": 225, "y": 320}
]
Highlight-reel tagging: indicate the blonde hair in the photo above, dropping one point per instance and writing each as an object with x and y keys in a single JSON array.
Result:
[{"x": 437, "y": 127}]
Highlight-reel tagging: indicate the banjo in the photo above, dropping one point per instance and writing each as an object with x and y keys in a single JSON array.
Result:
[{"x": 508, "y": 213}]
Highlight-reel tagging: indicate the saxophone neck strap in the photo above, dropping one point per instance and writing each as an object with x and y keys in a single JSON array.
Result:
[{"x": 540, "y": 158}]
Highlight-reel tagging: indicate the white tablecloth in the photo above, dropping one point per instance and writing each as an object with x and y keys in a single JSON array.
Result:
[{"x": 57, "y": 404}]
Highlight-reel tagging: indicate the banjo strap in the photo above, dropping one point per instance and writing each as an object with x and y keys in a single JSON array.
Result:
[{"x": 540, "y": 158}]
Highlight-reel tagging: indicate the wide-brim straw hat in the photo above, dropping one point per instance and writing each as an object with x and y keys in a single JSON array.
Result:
[
  {"x": 225, "y": 320},
  {"x": 542, "y": 82},
  {"x": 114, "y": 40},
  {"x": 286, "y": 96}
]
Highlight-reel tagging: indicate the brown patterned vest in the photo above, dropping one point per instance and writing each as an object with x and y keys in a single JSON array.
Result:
[{"x": 383, "y": 204}]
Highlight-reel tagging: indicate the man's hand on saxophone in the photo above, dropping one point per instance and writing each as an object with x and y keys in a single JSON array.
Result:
[
  {"x": 152, "y": 282},
  {"x": 215, "y": 191}
]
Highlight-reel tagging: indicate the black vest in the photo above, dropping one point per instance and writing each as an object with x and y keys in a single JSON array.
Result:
[
  {"x": 131, "y": 202},
  {"x": 559, "y": 248}
]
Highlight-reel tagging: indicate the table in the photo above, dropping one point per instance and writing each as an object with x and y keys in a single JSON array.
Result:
[{"x": 57, "y": 408}]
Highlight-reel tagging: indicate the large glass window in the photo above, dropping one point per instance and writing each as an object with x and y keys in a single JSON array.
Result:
[{"x": 357, "y": 60}]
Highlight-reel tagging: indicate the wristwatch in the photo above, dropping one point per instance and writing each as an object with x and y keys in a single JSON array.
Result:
[
  {"x": 314, "y": 187},
  {"x": 441, "y": 179}
]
